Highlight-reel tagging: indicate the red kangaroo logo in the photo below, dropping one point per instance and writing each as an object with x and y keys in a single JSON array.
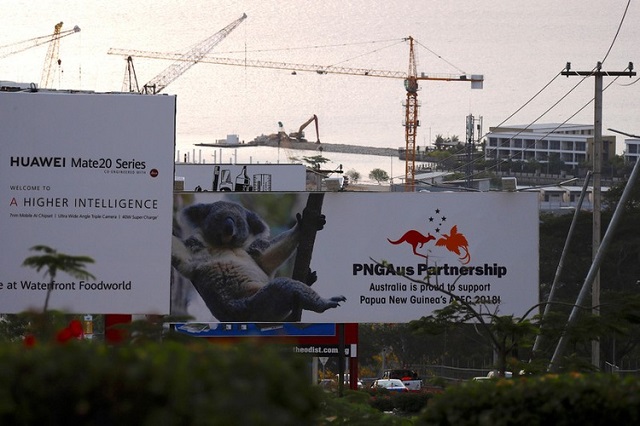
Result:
[{"x": 415, "y": 239}]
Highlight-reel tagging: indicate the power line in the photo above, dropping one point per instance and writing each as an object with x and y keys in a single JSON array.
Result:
[
  {"x": 550, "y": 132},
  {"x": 615, "y": 37},
  {"x": 532, "y": 123},
  {"x": 571, "y": 90},
  {"x": 514, "y": 113}
]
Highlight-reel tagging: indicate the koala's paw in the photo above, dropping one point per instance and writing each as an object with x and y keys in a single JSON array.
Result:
[
  {"x": 317, "y": 220},
  {"x": 312, "y": 277},
  {"x": 334, "y": 302}
]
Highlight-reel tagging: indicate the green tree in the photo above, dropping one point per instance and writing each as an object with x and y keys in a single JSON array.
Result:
[
  {"x": 315, "y": 161},
  {"x": 555, "y": 164},
  {"x": 13, "y": 326},
  {"x": 379, "y": 175},
  {"x": 53, "y": 262},
  {"x": 506, "y": 334},
  {"x": 353, "y": 175}
]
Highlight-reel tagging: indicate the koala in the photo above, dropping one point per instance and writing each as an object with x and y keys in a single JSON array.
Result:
[{"x": 231, "y": 261}]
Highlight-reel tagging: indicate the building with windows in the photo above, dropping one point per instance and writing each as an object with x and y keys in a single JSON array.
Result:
[
  {"x": 632, "y": 150},
  {"x": 571, "y": 144}
]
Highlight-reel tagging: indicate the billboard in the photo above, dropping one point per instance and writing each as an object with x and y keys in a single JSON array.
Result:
[
  {"x": 87, "y": 174},
  {"x": 241, "y": 177},
  {"x": 352, "y": 257}
]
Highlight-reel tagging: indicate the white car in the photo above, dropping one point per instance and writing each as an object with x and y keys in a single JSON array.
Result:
[{"x": 393, "y": 385}]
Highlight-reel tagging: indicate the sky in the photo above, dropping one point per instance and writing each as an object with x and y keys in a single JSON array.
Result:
[{"x": 518, "y": 46}]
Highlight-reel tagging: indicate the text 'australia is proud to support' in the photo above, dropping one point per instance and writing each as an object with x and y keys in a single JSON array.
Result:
[{"x": 84, "y": 163}]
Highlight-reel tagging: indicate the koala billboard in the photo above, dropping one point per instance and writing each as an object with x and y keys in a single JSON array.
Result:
[
  {"x": 86, "y": 175},
  {"x": 352, "y": 256}
]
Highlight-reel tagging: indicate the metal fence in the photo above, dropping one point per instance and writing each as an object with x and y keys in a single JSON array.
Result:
[
  {"x": 451, "y": 374},
  {"x": 614, "y": 369}
]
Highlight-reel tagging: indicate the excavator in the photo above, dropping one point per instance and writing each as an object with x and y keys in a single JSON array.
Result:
[{"x": 299, "y": 135}]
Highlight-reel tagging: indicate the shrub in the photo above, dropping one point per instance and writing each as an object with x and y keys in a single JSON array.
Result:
[
  {"x": 412, "y": 402},
  {"x": 383, "y": 401},
  {"x": 153, "y": 383},
  {"x": 570, "y": 399},
  {"x": 406, "y": 402},
  {"x": 354, "y": 409}
]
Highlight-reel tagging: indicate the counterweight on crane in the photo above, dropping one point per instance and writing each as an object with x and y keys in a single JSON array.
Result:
[
  {"x": 410, "y": 78},
  {"x": 182, "y": 62}
]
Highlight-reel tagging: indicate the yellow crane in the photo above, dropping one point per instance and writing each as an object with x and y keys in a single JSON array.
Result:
[
  {"x": 52, "y": 53},
  {"x": 51, "y": 58},
  {"x": 410, "y": 78},
  {"x": 21, "y": 46}
]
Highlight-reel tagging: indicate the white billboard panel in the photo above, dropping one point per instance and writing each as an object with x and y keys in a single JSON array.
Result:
[
  {"x": 380, "y": 257},
  {"x": 87, "y": 174},
  {"x": 241, "y": 177}
]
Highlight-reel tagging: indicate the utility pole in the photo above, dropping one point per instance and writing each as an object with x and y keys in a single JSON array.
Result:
[{"x": 599, "y": 74}]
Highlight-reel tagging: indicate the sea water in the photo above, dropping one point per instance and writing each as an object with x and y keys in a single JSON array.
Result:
[{"x": 346, "y": 162}]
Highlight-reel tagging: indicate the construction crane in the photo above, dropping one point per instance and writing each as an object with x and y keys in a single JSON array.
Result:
[
  {"x": 130, "y": 81},
  {"x": 183, "y": 61},
  {"x": 410, "y": 78},
  {"x": 21, "y": 46},
  {"x": 52, "y": 57}
]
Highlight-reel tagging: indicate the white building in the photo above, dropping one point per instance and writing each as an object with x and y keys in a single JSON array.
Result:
[
  {"x": 572, "y": 143},
  {"x": 632, "y": 150},
  {"x": 563, "y": 197}
]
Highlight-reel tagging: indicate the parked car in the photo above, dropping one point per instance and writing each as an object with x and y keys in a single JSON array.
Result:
[
  {"x": 409, "y": 378},
  {"x": 393, "y": 385},
  {"x": 493, "y": 374}
]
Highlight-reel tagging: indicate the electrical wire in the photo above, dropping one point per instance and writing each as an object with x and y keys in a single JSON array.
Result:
[
  {"x": 615, "y": 37},
  {"x": 630, "y": 84},
  {"x": 463, "y": 149},
  {"x": 510, "y": 157},
  {"x": 546, "y": 112},
  {"x": 543, "y": 114}
]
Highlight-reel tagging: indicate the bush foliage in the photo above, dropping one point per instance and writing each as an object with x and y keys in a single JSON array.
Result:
[
  {"x": 165, "y": 383},
  {"x": 405, "y": 402},
  {"x": 571, "y": 399}
]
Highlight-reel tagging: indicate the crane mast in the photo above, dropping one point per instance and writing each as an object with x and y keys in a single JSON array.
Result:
[
  {"x": 188, "y": 59},
  {"x": 411, "y": 120},
  {"x": 130, "y": 81},
  {"x": 51, "y": 58}
]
